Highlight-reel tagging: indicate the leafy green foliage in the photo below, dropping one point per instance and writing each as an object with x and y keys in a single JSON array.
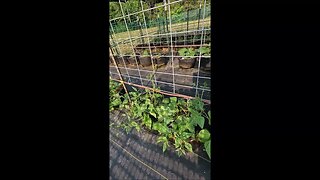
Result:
[
  {"x": 207, "y": 146},
  {"x": 114, "y": 96},
  {"x": 165, "y": 142},
  {"x": 146, "y": 53},
  {"x": 205, "y": 51},
  {"x": 114, "y": 10},
  {"x": 129, "y": 7},
  {"x": 154, "y": 16},
  {"x": 175, "y": 120},
  {"x": 187, "y": 52}
]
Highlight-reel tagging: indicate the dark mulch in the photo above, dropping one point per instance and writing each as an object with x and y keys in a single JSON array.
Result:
[{"x": 137, "y": 156}]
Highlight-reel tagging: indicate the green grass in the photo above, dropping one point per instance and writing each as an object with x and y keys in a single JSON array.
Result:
[{"x": 127, "y": 48}]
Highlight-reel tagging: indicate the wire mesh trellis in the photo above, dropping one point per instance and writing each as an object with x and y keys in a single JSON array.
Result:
[{"x": 171, "y": 49}]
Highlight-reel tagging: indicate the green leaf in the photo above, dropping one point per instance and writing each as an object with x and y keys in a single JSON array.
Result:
[
  {"x": 161, "y": 128},
  {"x": 148, "y": 101},
  {"x": 186, "y": 135},
  {"x": 134, "y": 124},
  {"x": 147, "y": 121},
  {"x": 179, "y": 119},
  {"x": 183, "y": 151},
  {"x": 134, "y": 89},
  {"x": 197, "y": 119},
  {"x": 207, "y": 146},
  {"x": 165, "y": 101},
  {"x": 174, "y": 126},
  {"x": 162, "y": 139},
  {"x": 138, "y": 128},
  {"x": 190, "y": 127},
  {"x": 182, "y": 51},
  {"x": 188, "y": 146},
  {"x": 194, "y": 112},
  {"x": 167, "y": 120},
  {"x": 158, "y": 95},
  {"x": 204, "y": 135},
  {"x": 204, "y": 51},
  {"x": 179, "y": 152},
  {"x": 153, "y": 114},
  {"x": 173, "y": 99},
  {"x": 164, "y": 147},
  {"x": 177, "y": 142}
]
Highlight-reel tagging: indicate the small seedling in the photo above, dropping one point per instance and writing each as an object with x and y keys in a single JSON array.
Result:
[
  {"x": 146, "y": 53},
  {"x": 204, "y": 51},
  {"x": 187, "y": 53}
]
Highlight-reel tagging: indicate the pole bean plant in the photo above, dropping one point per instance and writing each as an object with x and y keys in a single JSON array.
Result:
[{"x": 178, "y": 122}]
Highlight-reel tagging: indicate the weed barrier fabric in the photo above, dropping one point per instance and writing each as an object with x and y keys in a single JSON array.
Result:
[{"x": 136, "y": 155}]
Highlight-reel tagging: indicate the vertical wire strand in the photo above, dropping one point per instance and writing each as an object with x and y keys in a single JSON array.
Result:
[
  {"x": 121, "y": 55},
  {"x": 145, "y": 24},
  {"x": 124, "y": 86},
  {"x": 135, "y": 55},
  {"x": 125, "y": 67},
  {"x": 201, "y": 42},
  {"x": 173, "y": 84}
]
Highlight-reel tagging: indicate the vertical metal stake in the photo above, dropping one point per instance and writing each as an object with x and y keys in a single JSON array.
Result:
[
  {"x": 187, "y": 20},
  {"x": 199, "y": 17},
  {"x": 141, "y": 33}
]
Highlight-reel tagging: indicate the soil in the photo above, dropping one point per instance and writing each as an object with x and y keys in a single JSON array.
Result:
[
  {"x": 132, "y": 60},
  {"x": 145, "y": 61},
  {"x": 187, "y": 63}
]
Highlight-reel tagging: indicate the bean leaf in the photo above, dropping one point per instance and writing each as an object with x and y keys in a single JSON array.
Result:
[
  {"x": 164, "y": 147},
  {"x": 188, "y": 146},
  {"x": 173, "y": 99},
  {"x": 197, "y": 119},
  {"x": 166, "y": 100},
  {"x": 207, "y": 146}
]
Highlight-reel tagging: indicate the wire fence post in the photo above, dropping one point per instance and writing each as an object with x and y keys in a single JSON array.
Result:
[
  {"x": 141, "y": 33},
  {"x": 167, "y": 23},
  {"x": 159, "y": 30},
  {"x": 187, "y": 20},
  {"x": 199, "y": 16}
]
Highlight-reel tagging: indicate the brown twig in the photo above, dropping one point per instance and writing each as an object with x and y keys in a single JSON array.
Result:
[{"x": 158, "y": 91}]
